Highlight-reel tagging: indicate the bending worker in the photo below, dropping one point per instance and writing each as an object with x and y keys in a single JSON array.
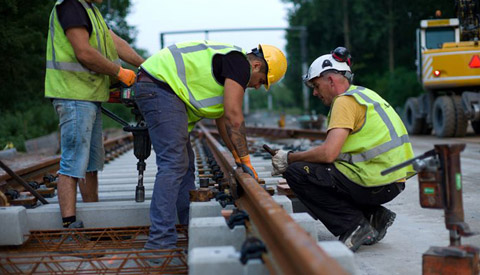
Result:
[
  {"x": 81, "y": 63},
  {"x": 177, "y": 87},
  {"x": 339, "y": 181}
]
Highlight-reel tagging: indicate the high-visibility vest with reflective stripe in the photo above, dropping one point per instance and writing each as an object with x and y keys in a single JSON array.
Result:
[
  {"x": 382, "y": 142},
  {"x": 187, "y": 68},
  {"x": 66, "y": 77}
]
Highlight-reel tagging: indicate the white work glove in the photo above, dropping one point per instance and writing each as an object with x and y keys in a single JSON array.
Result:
[{"x": 280, "y": 162}]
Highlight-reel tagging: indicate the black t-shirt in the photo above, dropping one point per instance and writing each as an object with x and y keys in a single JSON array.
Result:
[
  {"x": 233, "y": 65},
  {"x": 72, "y": 14}
]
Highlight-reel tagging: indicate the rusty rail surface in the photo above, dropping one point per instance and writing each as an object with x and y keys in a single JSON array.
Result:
[
  {"x": 290, "y": 249},
  {"x": 50, "y": 165},
  {"x": 90, "y": 239}
]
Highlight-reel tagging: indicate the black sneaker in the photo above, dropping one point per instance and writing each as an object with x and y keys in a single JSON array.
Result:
[
  {"x": 361, "y": 234},
  {"x": 381, "y": 219},
  {"x": 76, "y": 224}
]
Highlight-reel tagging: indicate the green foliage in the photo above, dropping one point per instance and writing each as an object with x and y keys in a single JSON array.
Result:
[
  {"x": 20, "y": 125},
  {"x": 282, "y": 99},
  {"x": 23, "y": 33},
  {"x": 369, "y": 30},
  {"x": 115, "y": 13},
  {"x": 396, "y": 87}
]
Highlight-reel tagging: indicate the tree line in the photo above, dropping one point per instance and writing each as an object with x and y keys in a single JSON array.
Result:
[
  {"x": 380, "y": 35},
  {"x": 24, "y": 111}
]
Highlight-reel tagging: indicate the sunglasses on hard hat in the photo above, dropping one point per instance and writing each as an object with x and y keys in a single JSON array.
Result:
[
  {"x": 259, "y": 53},
  {"x": 341, "y": 54}
]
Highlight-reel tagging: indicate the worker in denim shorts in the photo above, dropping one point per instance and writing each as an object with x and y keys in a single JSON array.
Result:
[{"x": 82, "y": 61}]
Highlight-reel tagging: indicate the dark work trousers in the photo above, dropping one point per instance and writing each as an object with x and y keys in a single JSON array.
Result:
[
  {"x": 166, "y": 117},
  {"x": 336, "y": 201}
]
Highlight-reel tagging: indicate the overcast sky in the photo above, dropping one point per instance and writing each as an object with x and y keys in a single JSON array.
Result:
[{"x": 151, "y": 17}]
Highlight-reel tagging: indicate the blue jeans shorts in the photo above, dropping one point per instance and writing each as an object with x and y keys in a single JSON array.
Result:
[{"x": 81, "y": 137}]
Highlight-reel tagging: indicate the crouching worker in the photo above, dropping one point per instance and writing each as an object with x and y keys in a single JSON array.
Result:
[{"x": 339, "y": 181}]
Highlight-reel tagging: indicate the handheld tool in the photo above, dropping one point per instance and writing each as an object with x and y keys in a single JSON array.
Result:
[
  {"x": 141, "y": 140},
  {"x": 269, "y": 150}
]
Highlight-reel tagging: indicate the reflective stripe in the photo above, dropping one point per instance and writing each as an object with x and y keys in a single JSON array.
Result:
[
  {"x": 394, "y": 142},
  {"x": 67, "y": 66},
  {"x": 374, "y": 152},
  {"x": 94, "y": 24},
  {"x": 427, "y": 62},
  {"x": 201, "y": 47},
  {"x": 181, "y": 72},
  {"x": 52, "y": 32}
]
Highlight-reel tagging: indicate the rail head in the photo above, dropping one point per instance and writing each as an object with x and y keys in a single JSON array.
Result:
[
  {"x": 51, "y": 164},
  {"x": 291, "y": 250}
]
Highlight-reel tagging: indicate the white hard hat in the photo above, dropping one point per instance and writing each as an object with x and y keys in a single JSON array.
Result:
[{"x": 328, "y": 62}]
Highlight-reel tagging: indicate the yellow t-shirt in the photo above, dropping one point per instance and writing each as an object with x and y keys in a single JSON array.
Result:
[{"x": 347, "y": 113}]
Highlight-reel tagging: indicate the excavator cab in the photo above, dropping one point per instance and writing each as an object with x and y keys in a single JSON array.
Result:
[{"x": 449, "y": 70}]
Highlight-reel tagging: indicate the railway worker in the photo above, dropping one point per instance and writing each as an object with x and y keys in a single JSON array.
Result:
[
  {"x": 339, "y": 181},
  {"x": 177, "y": 87},
  {"x": 81, "y": 62}
]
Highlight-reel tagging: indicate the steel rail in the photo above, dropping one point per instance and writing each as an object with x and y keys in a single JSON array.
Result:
[
  {"x": 291, "y": 250},
  {"x": 277, "y": 133},
  {"x": 22, "y": 182},
  {"x": 50, "y": 165}
]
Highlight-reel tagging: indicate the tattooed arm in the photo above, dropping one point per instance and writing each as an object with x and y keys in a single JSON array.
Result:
[
  {"x": 233, "y": 118},
  {"x": 222, "y": 130},
  {"x": 235, "y": 124}
]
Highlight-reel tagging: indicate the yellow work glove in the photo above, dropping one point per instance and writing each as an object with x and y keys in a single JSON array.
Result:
[
  {"x": 126, "y": 76},
  {"x": 238, "y": 162},
  {"x": 248, "y": 168}
]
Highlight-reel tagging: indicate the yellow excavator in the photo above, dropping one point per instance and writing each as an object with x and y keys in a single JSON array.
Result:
[{"x": 448, "y": 66}]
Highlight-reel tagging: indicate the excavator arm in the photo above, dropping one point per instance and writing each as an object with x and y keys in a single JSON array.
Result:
[{"x": 468, "y": 13}]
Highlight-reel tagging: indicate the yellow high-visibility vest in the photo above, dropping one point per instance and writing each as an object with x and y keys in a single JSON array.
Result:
[
  {"x": 187, "y": 68},
  {"x": 65, "y": 77},
  {"x": 381, "y": 143}
]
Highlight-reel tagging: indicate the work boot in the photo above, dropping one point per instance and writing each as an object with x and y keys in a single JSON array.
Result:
[
  {"x": 381, "y": 219},
  {"x": 360, "y": 234},
  {"x": 81, "y": 243},
  {"x": 78, "y": 237},
  {"x": 160, "y": 257}
]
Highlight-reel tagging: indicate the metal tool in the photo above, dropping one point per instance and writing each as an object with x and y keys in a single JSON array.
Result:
[
  {"x": 440, "y": 185},
  {"x": 142, "y": 144},
  {"x": 269, "y": 150}
]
